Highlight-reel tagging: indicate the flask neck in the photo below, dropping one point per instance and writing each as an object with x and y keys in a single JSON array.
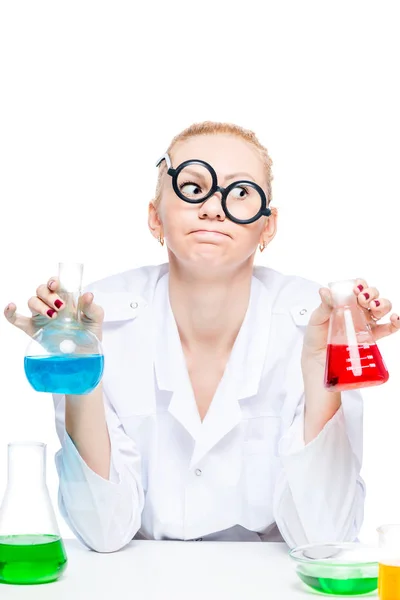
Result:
[
  {"x": 70, "y": 278},
  {"x": 342, "y": 293},
  {"x": 26, "y": 464},
  {"x": 70, "y": 312},
  {"x": 348, "y": 302}
]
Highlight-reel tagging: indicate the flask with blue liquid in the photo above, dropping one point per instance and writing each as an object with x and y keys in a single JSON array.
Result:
[{"x": 64, "y": 357}]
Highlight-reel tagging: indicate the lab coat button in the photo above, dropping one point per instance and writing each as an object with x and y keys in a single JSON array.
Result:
[
  {"x": 303, "y": 311},
  {"x": 134, "y": 304},
  {"x": 198, "y": 472}
]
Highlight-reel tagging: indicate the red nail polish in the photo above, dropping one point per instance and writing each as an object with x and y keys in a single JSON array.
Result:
[
  {"x": 366, "y": 296},
  {"x": 377, "y": 303},
  {"x": 360, "y": 287},
  {"x": 51, "y": 312},
  {"x": 58, "y": 303}
]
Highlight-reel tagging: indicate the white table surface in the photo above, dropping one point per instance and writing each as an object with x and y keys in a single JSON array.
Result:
[{"x": 173, "y": 571}]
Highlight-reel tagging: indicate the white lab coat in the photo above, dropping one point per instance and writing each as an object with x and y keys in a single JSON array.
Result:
[{"x": 244, "y": 473}]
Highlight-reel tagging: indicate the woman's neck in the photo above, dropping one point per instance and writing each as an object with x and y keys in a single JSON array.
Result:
[{"x": 209, "y": 310}]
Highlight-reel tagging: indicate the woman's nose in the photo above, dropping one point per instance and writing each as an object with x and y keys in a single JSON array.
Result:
[{"x": 212, "y": 208}]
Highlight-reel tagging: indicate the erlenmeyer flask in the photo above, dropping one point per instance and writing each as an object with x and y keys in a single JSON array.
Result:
[
  {"x": 353, "y": 359},
  {"x": 63, "y": 357},
  {"x": 31, "y": 549}
]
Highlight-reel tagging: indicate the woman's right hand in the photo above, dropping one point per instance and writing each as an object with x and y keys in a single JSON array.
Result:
[{"x": 47, "y": 304}]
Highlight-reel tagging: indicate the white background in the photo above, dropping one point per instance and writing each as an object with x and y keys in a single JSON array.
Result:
[{"x": 92, "y": 93}]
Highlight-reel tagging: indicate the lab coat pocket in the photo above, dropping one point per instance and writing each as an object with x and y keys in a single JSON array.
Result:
[{"x": 128, "y": 373}]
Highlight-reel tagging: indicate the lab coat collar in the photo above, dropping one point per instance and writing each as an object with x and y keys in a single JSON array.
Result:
[
  {"x": 241, "y": 378},
  {"x": 170, "y": 364}
]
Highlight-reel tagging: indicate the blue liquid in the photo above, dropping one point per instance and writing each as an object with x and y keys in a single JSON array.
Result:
[{"x": 64, "y": 374}]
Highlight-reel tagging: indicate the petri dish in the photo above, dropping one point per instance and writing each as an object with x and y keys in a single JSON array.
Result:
[{"x": 338, "y": 569}]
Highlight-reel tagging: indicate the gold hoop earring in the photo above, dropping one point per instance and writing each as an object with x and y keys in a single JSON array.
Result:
[
  {"x": 161, "y": 240},
  {"x": 262, "y": 246}
]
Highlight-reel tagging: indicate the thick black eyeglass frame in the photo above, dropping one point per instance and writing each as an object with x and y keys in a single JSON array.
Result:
[{"x": 174, "y": 173}]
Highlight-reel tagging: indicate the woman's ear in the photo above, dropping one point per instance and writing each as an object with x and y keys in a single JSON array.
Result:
[
  {"x": 154, "y": 221},
  {"x": 270, "y": 228}
]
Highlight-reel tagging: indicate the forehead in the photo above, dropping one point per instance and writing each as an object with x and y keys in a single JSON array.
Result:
[{"x": 227, "y": 154}]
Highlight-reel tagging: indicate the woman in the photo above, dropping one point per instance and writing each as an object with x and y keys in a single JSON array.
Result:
[{"x": 212, "y": 421}]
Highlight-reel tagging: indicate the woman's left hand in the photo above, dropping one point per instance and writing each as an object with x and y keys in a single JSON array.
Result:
[{"x": 374, "y": 307}]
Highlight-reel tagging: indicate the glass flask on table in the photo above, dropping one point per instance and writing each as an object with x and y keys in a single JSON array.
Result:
[
  {"x": 353, "y": 359},
  {"x": 64, "y": 357},
  {"x": 31, "y": 549},
  {"x": 389, "y": 562}
]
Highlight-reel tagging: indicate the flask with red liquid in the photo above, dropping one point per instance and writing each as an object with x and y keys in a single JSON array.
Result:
[{"x": 353, "y": 359}]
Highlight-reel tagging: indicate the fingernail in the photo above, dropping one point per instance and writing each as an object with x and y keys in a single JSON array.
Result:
[
  {"x": 51, "y": 312},
  {"x": 366, "y": 296},
  {"x": 377, "y": 303},
  {"x": 58, "y": 303},
  {"x": 7, "y": 308},
  {"x": 51, "y": 283},
  {"x": 360, "y": 287}
]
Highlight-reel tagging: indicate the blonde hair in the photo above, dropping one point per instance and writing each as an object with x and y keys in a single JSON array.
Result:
[{"x": 212, "y": 128}]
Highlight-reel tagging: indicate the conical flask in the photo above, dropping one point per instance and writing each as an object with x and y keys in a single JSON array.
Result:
[
  {"x": 353, "y": 359},
  {"x": 64, "y": 357},
  {"x": 31, "y": 549}
]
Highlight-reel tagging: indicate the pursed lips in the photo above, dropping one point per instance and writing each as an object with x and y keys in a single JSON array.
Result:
[{"x": 210, "y": 231}]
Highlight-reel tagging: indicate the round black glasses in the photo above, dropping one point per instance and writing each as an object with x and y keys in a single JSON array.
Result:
[{"x": 195, "y": 181}]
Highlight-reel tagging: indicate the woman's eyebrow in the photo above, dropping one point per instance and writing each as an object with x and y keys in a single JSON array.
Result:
[
  {"x": 194, "y": 173},
  {"x": 199, "y": 173},
  {"x": 240, "y": 174}
]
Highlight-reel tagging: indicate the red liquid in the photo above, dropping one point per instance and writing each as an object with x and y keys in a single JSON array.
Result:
[{"x": 352, "y": 367}]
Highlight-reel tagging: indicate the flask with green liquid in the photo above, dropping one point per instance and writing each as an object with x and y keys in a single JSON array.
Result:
[{"x": 31, "y": 548}]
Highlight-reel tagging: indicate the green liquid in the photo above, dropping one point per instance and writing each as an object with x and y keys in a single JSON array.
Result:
[
  {"x": 346, "y": 587},
  {"x": 27, "y": 559}
]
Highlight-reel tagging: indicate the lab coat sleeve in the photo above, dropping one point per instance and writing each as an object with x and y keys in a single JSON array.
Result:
[
  {"x": 320, "y": 495},
  {"x": 104, "y": 514}
]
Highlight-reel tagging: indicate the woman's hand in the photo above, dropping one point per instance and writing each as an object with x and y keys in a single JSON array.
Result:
[
  {"x": 374, "y": 307},
  {"x": 321, "y": 404},
  {"x": 47, "y": 304}
]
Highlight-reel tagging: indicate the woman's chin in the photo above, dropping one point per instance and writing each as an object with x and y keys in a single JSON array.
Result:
[
  {"x": 209, "y": 262},
  {"x": 207, "y": 257},
  {"x": 209, "y": 254}
]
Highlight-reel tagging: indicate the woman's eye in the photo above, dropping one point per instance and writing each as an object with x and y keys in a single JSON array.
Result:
[
  {"x": 190, "y": 189},
  {"x": 239, "y": 192}
]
